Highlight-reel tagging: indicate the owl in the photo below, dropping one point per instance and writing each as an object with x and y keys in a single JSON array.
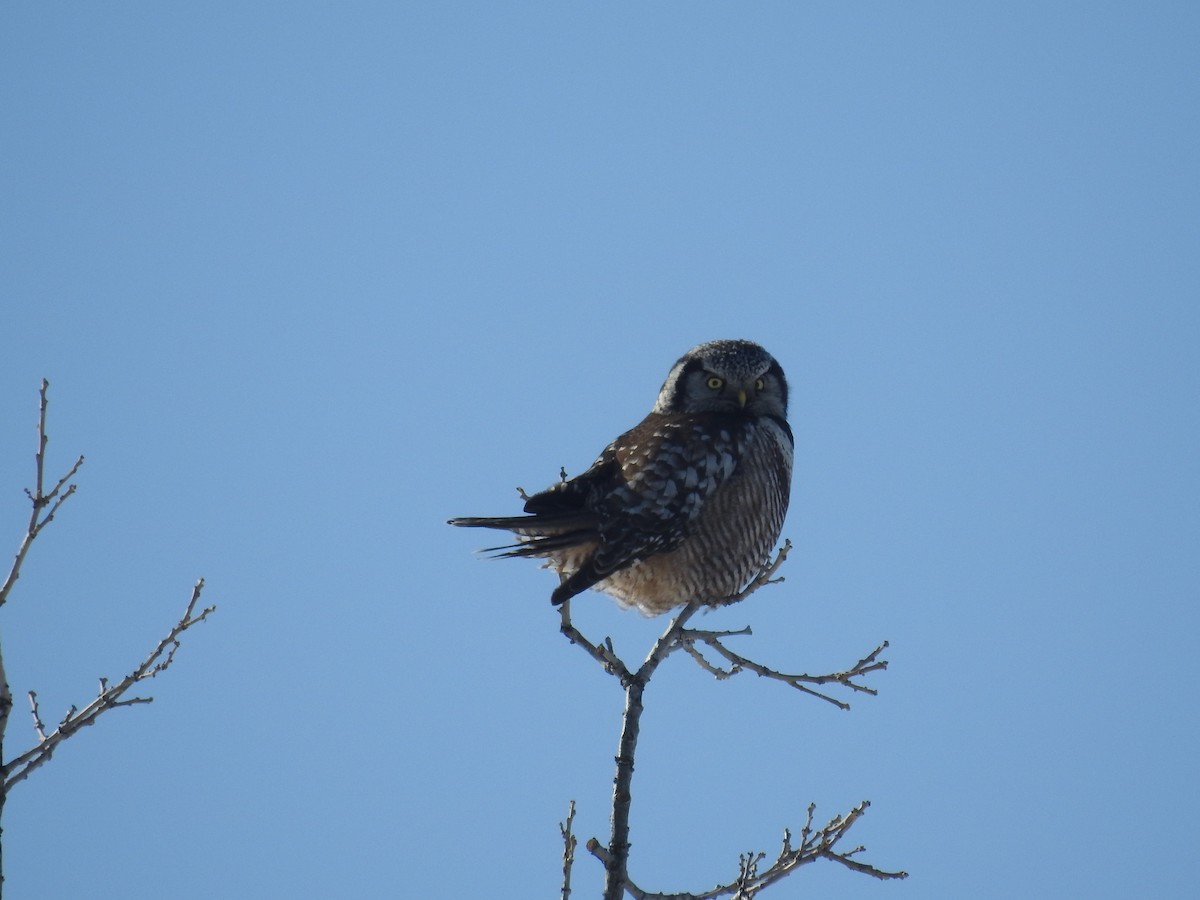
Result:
[{"x": 685, "y": 506}]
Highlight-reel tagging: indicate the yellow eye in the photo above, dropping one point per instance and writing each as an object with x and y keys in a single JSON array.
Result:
[
  {"x": 715, "y": 383},
  {"x": 759, "y": 384}
]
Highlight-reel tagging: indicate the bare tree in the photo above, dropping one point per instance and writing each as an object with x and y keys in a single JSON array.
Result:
[
  {"x": 111, "y": 695},
  {"x": 815, "y": 842}
]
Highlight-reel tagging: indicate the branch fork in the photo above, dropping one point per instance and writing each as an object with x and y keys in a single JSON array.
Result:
[
  {"x": 814, "y": 843},
  {"x": 45, "y": 504}
]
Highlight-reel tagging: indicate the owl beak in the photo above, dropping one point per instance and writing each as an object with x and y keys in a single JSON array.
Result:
[{"x": 741, "y": 399}]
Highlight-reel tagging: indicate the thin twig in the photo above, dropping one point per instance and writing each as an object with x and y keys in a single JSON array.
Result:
[
  {"x": 815, "y": 844},
  {"x": 109, "y": 697},
  {"x": 39, "y": 516},
  {"x": 38, "y": 725},
  {"x": 569, "y": 842},
  {"x": 44, "y": 506},
  {"x": 866, "y": 665},
  {"x": 765, "y": 576},
  {"x": 603, "y": 654}
]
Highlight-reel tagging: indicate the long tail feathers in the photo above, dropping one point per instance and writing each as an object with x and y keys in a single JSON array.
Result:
[
  {"x": 542, "y": 535},
  {"x": 508, "y": 523}
]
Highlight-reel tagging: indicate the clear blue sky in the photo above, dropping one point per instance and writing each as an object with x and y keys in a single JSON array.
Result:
[{"x": 307, "y": 279}]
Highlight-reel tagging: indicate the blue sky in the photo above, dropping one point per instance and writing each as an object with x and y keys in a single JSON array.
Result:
[{"x": 307, "y": 280}]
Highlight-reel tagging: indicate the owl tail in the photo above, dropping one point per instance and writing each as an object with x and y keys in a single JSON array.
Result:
[{"x": 541, "y": 535}]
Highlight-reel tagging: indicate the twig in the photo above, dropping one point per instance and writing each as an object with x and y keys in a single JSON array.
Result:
[
  {"x": 109, "y": 697},
  {"x": 814, "y": 844},
  {"x": 40, "y": 516},
  {"x": 38, "y": 725},
  {"x": 866, "y": 665},
  {"x": 603, "y": 654},
  {"x": 45, "y": 505},
  {"x": 765, "y": 576},
  {"x": 568, "y": 836}
]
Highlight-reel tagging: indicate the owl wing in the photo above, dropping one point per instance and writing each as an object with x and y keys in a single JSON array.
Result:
[{"x": 645, "y": 490}]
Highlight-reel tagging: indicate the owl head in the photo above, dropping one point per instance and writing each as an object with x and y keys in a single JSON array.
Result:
[{"x": 726, "y": 377}]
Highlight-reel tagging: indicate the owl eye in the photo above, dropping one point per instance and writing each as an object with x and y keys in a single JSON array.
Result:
[
  {"x": 759, "y": 384},
  {"x": 715, "y": 383}
]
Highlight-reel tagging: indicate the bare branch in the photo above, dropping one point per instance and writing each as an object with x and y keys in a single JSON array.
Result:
[
  {"x": 814, "y": 844},
  {"x": 38, "y": 725},
  {"x": 109, "y": 697},
  {"x": 569, "y": 842},
  {"x": 44, "y": 506},
  {"x": 6, "y": 705},
  {"x": 866, "y": 665},
  {"x": 669, "y": 641},
  {"x": 766, "y": 575},
  {"x": 603, "y": 654},
  {"x": 702, "y": 661},
  {"x": 40, "y": 516}
]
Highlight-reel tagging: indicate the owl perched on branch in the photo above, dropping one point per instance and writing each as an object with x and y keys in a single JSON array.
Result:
[{"x": 687, "y": 505}]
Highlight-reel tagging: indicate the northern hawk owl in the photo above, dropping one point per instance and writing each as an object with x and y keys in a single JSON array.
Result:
[{"x": 687, "y": 505}]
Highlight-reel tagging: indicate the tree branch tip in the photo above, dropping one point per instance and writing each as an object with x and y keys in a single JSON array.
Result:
[
  {"x": 131, "y": 701},
  {"x": 189, "y": 621},
  {"x": 563, "y": 826}
]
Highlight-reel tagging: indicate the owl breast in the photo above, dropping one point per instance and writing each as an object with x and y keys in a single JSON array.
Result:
[{"x": 730, "y": 534}]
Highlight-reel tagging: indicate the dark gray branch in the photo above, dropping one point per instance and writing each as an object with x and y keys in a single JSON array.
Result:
[
  {"x": 110, "y": 696},
  {"x": 820, "y": 844},
  {"x": 868, "y": 664},
  {"x": 40, "y": 516},
  {"x": 45, "y": 505},
  {"x": 815, "y": 844}
]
